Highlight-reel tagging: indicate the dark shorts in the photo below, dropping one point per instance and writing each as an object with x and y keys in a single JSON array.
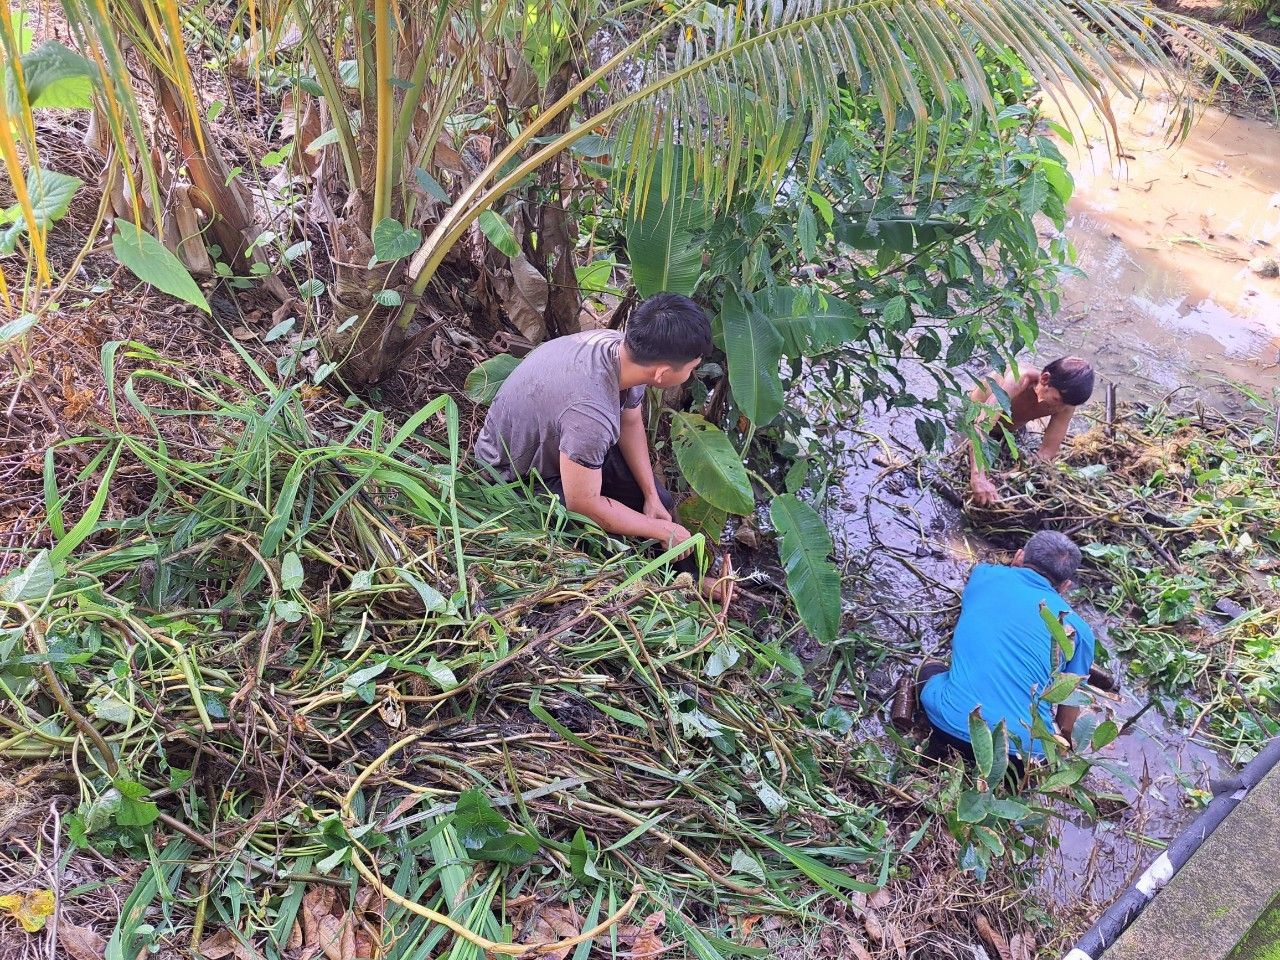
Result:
[
  {"x": 618, "y": 483},
  {"x": 941, "y": 743}
]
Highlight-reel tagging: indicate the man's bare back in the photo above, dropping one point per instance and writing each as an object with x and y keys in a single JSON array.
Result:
[{"x": 1054, "y": 392}]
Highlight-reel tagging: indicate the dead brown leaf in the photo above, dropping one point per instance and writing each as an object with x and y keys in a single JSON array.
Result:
[
  {"x": 992, "y": 937},
  {"x": 365, "y": 944},
  {"x": 447, "y": 158},
  {"x": 647, "y": 943},
  {"x": 875, "y": 929},
  {"x": 221, "y": 944},
  {"x": 326, "y": 926},
  {"x": 526, "y": 300},
  {"x": 520, "y": 84},
  {"x": 224, "y": 943},
  {"x": 899, "y": 941},
  {"x": 551, "y": 924},
  {"x": 1022, "y": 946},
  {"x": 81, "y": 943},
  {"x": 880, "y": 899}
]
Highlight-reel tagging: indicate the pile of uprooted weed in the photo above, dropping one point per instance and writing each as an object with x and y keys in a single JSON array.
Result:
[
  {"x": 1176, "y": 511},
  {"x": 332, "y": 691}
]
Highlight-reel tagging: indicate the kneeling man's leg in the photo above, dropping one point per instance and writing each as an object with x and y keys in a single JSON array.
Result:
[{"x": 618, "y": 482}]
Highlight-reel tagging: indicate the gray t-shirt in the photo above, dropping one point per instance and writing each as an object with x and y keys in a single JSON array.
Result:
[{"x": 562, "y": 398}]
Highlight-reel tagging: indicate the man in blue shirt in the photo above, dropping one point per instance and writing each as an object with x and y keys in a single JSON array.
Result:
[{"x": 1002, "y": 652}]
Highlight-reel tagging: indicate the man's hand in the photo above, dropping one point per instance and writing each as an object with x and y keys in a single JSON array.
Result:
[
  {"x": 675, "y": 534},
  {"x": 984, "y": 492},
  {"x": 654, "y": 507},
  {"x": 582, "y": 495}
]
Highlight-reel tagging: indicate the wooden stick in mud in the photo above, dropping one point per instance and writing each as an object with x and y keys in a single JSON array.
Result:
[
  {"x": 1110, "y": 430},
  {"x": 1137, "y": 716}
]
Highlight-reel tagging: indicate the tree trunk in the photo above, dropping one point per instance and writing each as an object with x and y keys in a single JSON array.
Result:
[
  {"x": 370, "y": 348},
  {"x": 557, "y": 235},
  {"x": 368, "y": 351},
  {"x": 232, "y": 224}
]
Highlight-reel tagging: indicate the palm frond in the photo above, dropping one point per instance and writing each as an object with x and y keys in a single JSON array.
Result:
[{"x": 735, "y": 84}]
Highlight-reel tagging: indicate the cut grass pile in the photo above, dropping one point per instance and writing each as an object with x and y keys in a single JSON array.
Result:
[{"x": 341, "y": 677}]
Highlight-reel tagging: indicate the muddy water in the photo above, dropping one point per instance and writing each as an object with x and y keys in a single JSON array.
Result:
[
  {"x": 906, "y": 555},
  {"x": 1164, "y": 237}
]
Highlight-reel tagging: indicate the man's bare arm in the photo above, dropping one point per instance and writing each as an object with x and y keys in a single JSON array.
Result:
[
  {"x": 1054, "y": 433},
  {"x": 582, "y": 495},
  {"x": 984, "y": 491}
]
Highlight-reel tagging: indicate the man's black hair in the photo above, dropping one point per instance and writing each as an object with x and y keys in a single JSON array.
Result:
[
  {"x": 1052, "y": 555},
  {"x": 668, "y": 328},
  {"x": 1072, "y": 377}
]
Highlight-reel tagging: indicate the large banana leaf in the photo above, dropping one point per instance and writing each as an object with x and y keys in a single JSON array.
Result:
[
  {"x": 664, "y": 241},
  {"x": 711, "y": 465},
  {"x": 812, "y": 578},
  {"x": 754, "y": 349},
  {"x": 812, "y": 324}
]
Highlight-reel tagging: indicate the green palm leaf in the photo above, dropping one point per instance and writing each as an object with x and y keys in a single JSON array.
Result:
[{"x": 742, "y": 88}]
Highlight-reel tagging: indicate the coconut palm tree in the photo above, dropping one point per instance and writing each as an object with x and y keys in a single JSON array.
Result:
[{"x": 380, "y": 86}]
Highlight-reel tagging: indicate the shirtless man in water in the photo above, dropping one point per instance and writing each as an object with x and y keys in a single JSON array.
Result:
[{"x": 1053, "y": 392}]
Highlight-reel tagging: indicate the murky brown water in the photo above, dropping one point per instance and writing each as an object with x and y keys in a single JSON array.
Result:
[{"x": 1165, "y": 236}]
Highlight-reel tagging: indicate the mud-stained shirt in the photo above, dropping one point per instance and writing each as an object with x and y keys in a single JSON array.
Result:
[{"x": 564, "y": 397}]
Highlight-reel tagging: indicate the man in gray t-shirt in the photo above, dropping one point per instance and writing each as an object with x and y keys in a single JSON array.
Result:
[{"x": 571, "y": 413}]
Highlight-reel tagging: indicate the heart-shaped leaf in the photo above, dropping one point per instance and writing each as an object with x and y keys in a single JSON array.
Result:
[
  {"x": 394, "y": 241},
  {"x": 483, "y": 381},
  {"x": 151, "y": 262},
  {"x": 50, "y": 193},
  {"x": 54, "y": 76}
]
